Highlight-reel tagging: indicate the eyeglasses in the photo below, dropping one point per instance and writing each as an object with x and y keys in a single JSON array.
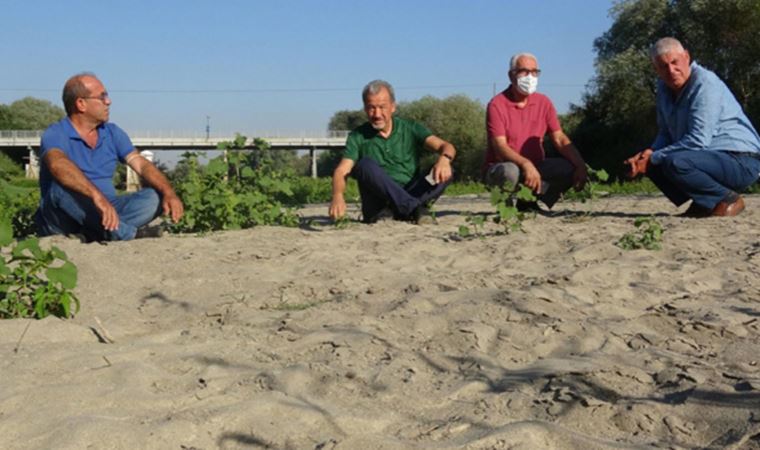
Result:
[
  {"x": 524, "y": 72},
  {"x": 102, "y": 97}
]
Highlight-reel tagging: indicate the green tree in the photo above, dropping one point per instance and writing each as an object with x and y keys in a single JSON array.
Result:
[
  {"x": 29, "y": 113},
  {"x": 457, "y": 119},
  {"x": 725, "y": 36},
  {"x": 345, "y": 120},
  {"x": 5, "y": 117}
]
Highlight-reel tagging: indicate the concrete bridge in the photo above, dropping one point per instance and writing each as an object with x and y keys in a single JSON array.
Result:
[{"x": 21, "y": 140}]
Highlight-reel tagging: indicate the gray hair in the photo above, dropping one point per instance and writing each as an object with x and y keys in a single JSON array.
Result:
[
  {"x": 665, "y": 45},
  {"x": 74, "y": 89},
  {"x": 374, "y": 87},
  {"x": 515, "y": 58}
]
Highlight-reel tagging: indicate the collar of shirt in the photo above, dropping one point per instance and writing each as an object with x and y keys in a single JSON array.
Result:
[{"x": 74, "y": 134}]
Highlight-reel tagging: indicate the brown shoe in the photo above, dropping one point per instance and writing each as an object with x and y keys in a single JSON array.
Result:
[{"x": 729, "y": 207}]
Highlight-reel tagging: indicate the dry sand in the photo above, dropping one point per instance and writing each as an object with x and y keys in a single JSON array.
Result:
[{"x": 396, "y": 336}]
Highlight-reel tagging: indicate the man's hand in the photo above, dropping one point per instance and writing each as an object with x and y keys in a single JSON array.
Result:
[
  {"x": 639, "y": 163},
  {"x": 173, "y": 206},
  {"x": 109, "y": 218},
  {"x": 531, "y": 177},
  {"x": 337, "y": 207},
  {"x": 442, "y": 170},
  {"x": 580, "y": 178}
]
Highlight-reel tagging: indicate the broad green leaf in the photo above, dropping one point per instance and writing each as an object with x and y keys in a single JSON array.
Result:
[
  {"x": 526, "y": 194},
  {"x": 31, "y": 244},
  {"x": 6, "y": 233},
  {"x": 247, "y": 172},
  {"x": 66, "y": 275}
]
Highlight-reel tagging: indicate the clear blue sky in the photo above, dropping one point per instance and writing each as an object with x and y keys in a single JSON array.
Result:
[{"x": 287, "y": 65}]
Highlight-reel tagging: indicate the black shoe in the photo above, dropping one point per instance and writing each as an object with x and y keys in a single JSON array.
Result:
[
  {"x": 696, "y": 212},
  {"x": 423, "y": 216},
  {"x": 524, "y": 206},
  {"x": 149, "y": 231}
]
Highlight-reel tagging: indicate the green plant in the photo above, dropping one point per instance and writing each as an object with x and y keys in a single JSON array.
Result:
[
  {"x": 341, "y": 223},
  {"x": 476, "y": 221},
  {"x": 593, "y": 189},
  {"x": 17, "y": 206},
  {"x": 34, "y": 282},
  {"x": 648, "y": 235},
  {"x": 233, "y": 191},
  {"x": 507, "y": 215}
]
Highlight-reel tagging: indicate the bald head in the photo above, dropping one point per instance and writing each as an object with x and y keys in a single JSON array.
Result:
[{"x": 75, "y": 88}]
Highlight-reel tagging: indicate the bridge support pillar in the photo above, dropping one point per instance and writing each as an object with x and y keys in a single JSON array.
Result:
[
  {"x": 32, "y": 169},
  {"x": 134, "y": 183},
  {"x": 313, "y": 156}
]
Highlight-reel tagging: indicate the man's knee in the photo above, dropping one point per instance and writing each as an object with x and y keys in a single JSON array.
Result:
[
  {"x": 676, "y": 164},
  {"x": 503, "y": 173},
  {"x": 365, "y": 166},
  {"x": 151, "y": 198}
]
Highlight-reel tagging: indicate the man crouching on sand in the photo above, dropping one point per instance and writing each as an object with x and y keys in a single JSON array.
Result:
[
  {"x": 383, "y": 155},
  {"x": 706, "y": 149}
]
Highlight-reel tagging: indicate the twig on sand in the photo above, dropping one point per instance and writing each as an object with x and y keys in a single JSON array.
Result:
[
  {"x": 18, "y": 344},
  {"x": 101, "y": 332}
]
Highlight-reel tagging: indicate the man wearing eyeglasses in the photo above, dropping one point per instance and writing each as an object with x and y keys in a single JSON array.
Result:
[
  {"x": 79, "y": 155},
  {"x": 517, "y": 120}
]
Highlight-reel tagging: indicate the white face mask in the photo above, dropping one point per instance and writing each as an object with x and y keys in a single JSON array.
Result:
[{"x": 527, "y": 84}]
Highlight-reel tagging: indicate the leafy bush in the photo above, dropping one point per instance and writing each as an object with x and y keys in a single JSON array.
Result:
[
  {"x": 235, "y": 190},
  {"x": 319, "y": 190},
  {"x": 17, "y": 207},
  {"x": 34, "y": 282},
  {"x": 9, "y": 168}
]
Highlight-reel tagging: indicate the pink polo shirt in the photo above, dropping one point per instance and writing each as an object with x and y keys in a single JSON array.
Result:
[{"x": 524, "y": 128}]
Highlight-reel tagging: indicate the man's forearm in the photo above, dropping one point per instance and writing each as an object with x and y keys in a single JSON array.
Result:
[
  {"x": 68, "y": 175},
  {"x": 338, "y": 185},
  {"x": 156, "y": 179},
  {"x": 572, "y": 154}
]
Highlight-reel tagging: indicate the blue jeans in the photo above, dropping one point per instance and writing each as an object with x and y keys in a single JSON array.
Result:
[
  {"x": 706, "y": 177},
  {"x": 378, "y": 191},
  {"x": 64, "y": 212}
]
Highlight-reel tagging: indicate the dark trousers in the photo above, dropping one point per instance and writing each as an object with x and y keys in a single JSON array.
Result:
[
  {"x": 378, "y": 191},
  {"x": 556, "y": 177},
  {"x": 706, "y": 177}
]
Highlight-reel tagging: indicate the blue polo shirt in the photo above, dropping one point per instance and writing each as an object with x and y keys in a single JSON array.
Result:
[
  {"x": 704, "y": 116},
  {"x": 98, "y": 164}
]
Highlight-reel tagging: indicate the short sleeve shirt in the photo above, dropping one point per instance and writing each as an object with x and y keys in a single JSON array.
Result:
[
  {"x": 97, "y": 164},
  {"x": 524, "y": 128},
  {"x": 399, "y": 154}
]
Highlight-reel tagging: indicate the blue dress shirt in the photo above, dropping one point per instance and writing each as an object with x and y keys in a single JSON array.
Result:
[{"x": 704, "y": 116}]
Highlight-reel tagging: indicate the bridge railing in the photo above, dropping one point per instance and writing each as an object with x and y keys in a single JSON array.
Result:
[
  {"x": 20, "y": 134},
  {"x": 32, "y": 134},
  {"x": 30, "y": 139}
]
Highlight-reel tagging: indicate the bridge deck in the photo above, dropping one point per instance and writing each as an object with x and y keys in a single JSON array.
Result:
[{"x": 21, "y": 139}]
